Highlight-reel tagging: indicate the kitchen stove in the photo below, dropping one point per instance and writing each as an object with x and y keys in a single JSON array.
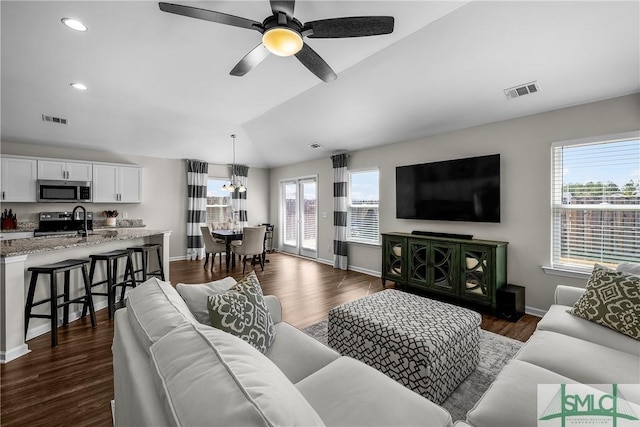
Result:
[{"x": 62, "y": 223}]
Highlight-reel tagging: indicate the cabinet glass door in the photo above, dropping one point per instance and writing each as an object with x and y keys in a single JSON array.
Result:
[
  {"x": 393, "y": 252},
  {"x": 418, "y": 262},
  {"x": 443, "y": 260},
  {"x": 476, "y": 273}
]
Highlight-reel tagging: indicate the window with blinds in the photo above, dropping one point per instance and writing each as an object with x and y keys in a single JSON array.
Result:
[
  {"x": 218, "y": 204},
  {"x": 362, "y": 213},
  {"x": 596, "y": 202}
]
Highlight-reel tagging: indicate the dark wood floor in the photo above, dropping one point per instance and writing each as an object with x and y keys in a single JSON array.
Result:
[{"x": 72, "y": 384}]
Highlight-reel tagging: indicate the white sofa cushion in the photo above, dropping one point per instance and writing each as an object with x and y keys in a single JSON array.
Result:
[
  {"x": 296, "y": 354},
  {"x": 209, "y": 377},
  {"x": 558, "y": 320},
  {"x": 154, "y": 308},
  {"x": 347, "y": 392},
  {"x": 580, "y": 360},
  {"x": 511, "y": 399},
  {"x": 195, "y": 296}
]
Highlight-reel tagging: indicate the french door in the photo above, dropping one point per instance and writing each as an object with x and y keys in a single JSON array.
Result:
[{"x": 299, "y": 217}]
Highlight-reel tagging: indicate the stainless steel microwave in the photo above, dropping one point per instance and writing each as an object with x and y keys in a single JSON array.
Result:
[{"x": 64, "y": 191}]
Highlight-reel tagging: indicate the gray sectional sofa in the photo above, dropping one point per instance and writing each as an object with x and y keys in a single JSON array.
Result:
[
  {"x": 564, "y": 349},
  {"x": 169, "y": 369}
]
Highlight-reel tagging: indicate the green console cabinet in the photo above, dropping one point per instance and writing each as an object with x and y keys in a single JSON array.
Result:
[{"x": 465, "y": 269}]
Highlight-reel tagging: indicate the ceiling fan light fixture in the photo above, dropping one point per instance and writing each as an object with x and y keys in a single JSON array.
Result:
[{"x": 282, "y": 41}]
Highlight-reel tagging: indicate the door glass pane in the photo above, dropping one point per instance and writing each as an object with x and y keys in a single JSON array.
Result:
[
  {"x": 309, "y": 215},
  {"x": 290, "y": 231}
]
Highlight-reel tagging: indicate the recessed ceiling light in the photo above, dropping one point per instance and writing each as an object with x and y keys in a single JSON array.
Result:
[
  {"x": 78, "y": 86},
  {"x": 74, "y": 24}
]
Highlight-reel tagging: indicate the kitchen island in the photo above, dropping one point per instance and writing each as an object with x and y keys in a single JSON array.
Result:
[{"x": 16, "y": 256}]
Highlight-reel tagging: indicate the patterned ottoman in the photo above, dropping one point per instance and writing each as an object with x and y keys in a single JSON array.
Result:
[{"x": 428, "y": 346}]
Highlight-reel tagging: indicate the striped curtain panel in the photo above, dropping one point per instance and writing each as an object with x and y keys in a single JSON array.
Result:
[
  {"x": 197, "y": 175},
  {"x": 340, "y": 210},
  {"x": 238, "y": 199}
]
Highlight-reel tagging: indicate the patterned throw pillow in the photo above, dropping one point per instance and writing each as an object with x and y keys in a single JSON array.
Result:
[
  {"x": 611, "y": 299},
  {"x": 241, "y": 311}
]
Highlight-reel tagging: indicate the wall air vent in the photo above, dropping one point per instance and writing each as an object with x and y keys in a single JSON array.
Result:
[
  {"x": 521, "y": 90},
  {"x": 315, "y": 145},
  {"x": 52, "y": 119}
]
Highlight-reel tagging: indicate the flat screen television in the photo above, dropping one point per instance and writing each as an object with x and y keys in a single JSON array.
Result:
[{"x": 453, "y": 190}]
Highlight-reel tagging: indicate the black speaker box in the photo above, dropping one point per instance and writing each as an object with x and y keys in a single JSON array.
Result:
[{"x": 510, "y": 302}]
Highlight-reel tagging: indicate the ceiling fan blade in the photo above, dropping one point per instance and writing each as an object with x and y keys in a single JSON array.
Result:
[
  {"x": 210, "y": 15},
  {"x": 285, "y": 6},
  {"x": 315, "y": 64},
  {"x": 356, "y": 26},
  {"x": 250, "y": 60}
]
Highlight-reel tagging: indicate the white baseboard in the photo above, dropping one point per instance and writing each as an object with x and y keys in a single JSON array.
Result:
[
  {"x": 352, "y": 268},
  {"x": 535, "y": 311},
  {"x": 177, "y": 258},
  {"x": 14, "y": 353}
]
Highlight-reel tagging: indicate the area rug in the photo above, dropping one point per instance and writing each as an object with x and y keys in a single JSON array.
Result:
[{"x": 495, "y": 352}]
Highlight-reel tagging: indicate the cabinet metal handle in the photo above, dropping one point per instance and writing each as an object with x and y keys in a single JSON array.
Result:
[{"x": 3, "y": 195}]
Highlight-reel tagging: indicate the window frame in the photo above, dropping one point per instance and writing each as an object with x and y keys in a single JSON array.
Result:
[
  {"x": 558, "y": 205},
  {"x": 229, "y": 205},
  {"x": 376, "y": 206}
]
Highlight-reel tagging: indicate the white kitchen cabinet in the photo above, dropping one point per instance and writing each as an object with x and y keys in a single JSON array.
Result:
[
  {"x": 117, "y": 184},
  {"x": 19, "y": 176},
  {"x": 61, "y": 170}
]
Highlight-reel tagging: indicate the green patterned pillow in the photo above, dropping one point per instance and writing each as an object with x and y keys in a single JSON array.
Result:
[
  {"x": 241, "y": 311},
  {"x": 611, "y": 299}
]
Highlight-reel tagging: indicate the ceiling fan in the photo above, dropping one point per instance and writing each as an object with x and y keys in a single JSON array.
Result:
[{"x": 282, "y": 33}]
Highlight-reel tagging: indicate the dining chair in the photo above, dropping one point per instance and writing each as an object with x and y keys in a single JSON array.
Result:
[
  {"x": 212, "y": 246},
  {"x": 252, "y": 244}
]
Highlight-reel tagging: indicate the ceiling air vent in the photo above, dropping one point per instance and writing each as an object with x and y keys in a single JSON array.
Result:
[
  {"x": 55, "y": 120},
  {"x": 521, "y": 90},
  {"x": 315, "y": 145}
]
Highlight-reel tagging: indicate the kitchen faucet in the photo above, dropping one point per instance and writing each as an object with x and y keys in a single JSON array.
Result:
[{"x": 84, "y": 231}]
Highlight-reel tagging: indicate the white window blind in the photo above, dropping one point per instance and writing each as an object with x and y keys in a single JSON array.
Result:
[
  {"x": 362, "y": 215},
  {"x": 596, "y": 202}
]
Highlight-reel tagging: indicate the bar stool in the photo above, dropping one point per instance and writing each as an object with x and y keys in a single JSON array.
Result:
[
  {"x": 111, "y": 268},
  {"x": 52, "y": 270},
  {"x": 144, "y": 250}
]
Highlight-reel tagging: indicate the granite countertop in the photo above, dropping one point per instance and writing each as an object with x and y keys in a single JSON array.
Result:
[
  {"x": 36, "y": 245},
  {"x": 98, "y": 224}
]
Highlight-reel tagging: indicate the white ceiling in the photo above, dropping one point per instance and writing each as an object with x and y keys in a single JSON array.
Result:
[{"x": 159, "y": 83}]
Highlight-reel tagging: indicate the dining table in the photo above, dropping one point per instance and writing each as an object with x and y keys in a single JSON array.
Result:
[{"x": 228, "y": 236}]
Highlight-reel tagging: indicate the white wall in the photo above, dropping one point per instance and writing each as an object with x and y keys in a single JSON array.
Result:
[
  {"x": 524, "y": 146},
  {"x": 164, "y": 190}
]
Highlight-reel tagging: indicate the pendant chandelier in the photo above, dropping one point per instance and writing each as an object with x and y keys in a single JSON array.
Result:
[{"x": 233, "y": 184}]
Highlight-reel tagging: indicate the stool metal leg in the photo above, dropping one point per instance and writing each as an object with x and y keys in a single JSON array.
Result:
[
  {"x": 145, "y": 263},
  {"x": 65, "y": 312},
  {"x": 129, "y": 276},
  {"x": 92, "y": 270},
  {"x": 111, "y": 278},
  {"x": 89, "y": 297},
  {"x": 29, "y": 305},
  {"x": 162, "y": 270},
  {"x": 53, "y": 282}
]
